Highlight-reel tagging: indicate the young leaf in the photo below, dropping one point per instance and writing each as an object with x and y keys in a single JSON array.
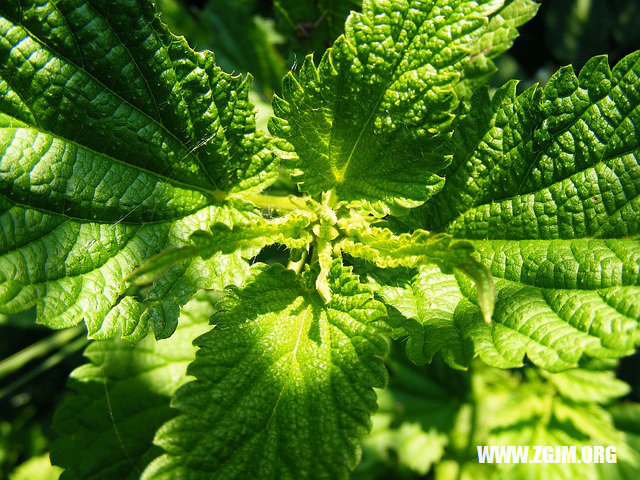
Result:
[
  {"x": 288, "y": 230},
  {"x": 385, "y": 249},
  {"x": 116, "y": 141},
  {"x": 546, "y": 187},
  {"x": 366, "y": 121},
  {"x": 426, "y": 302},
  {"x": 283, "y": 384},
  {"x": 588, "y": 386},
  {"x": 121, "y": 398},
  {"x": 382, "y": 247}
]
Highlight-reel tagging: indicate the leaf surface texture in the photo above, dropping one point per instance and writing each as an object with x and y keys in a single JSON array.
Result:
[
  {"x": 116, "y": 141},
  {"x": 283, "y": 384}
]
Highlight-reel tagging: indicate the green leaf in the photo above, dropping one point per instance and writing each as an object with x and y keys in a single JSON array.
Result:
[
  {"x": 426, "y": 301},
  {"x": 561, "y": 422},
  {"x": 546, "y": 187},
  {"x": 418, "y": 450},
  {"x": 368, "y": 119},
  {"x": 244, "y": 41},
  {"x": 411, "y": 428},
  {"x": 121, "y": 397},
  {"x": 528, "y": 418},
  {"x": 283, "y": 384},
  {"x": 36, "y": 468},
  {"x": 289, "y": 230},
  {"x": 74, "y": 271},
  {"x": 588, "y": 386},
  {"x": 325, "y": 234},
  {"x": 382, "y": 247},
  {"x": 117, "y": 141},
  {"x": 626, "y": 417}
]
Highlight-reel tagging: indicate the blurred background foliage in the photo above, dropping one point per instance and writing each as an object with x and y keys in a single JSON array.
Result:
[{"x": 430, "y": 418}]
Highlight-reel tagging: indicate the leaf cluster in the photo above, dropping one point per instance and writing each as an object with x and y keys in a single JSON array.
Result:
[{"x": 414, "y": 205}]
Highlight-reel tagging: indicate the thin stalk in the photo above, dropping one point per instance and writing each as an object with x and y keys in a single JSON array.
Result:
[
  {"x": 297, "y": 266},
  {"x": 43, "y": 347},
  {"x": 314, "y": 253},
  {"x": 50, "y": 362}
]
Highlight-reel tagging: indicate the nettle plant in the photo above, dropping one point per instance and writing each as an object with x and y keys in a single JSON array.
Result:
[{"x": 133, "y": 180}]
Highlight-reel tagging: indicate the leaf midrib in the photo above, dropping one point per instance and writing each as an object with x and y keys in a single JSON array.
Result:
[
  {"x": 58, "y": 54},
  {"x": 602, "y": 162},
  {"x": 579, "y": 116},
  {"x": 341, "y": 174},
  {"x": 112, "y": 158}
]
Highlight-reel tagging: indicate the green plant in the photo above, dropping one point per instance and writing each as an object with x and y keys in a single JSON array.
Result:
[{"x": 133, "y": 180}]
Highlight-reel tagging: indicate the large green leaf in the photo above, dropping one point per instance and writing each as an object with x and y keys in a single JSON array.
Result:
[
  {"x": 121, "y": 397},
  {"x": 283, "y": 384},
  {"x": 116, "y": 141},
  {"x": 546, "y": 186},
  {"x": 366, "y": 121}
]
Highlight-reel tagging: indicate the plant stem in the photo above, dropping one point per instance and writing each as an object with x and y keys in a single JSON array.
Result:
[
  {"x": 38, "y": 349},
  {"x": 50, "y": 362},
  {"x": 297, "y": 266}
]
